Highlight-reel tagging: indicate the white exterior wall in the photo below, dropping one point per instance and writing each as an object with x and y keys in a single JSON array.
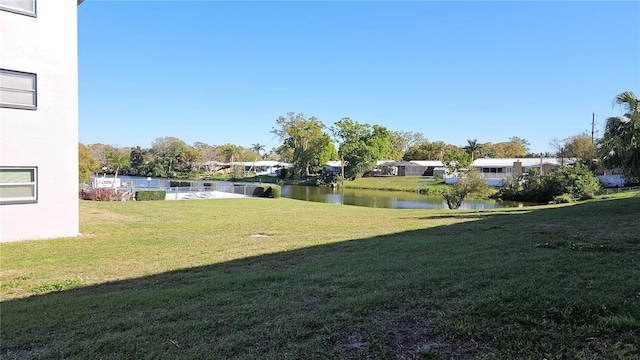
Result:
[{"x": 47, "y": 137}]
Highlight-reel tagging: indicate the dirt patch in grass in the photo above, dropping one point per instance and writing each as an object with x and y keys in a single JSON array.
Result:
[
  {"x": 413, "y": 340},
  {"x": 9, "y": 272},
  {"x": 110, "y": 216}
]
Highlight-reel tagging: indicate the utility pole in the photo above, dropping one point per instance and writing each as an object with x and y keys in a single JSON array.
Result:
[{"x": 593, "y": 125}]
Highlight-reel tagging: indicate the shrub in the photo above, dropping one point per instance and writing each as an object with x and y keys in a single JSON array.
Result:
[
  {"x": 283, "y": 173},
  {"x": 469, "y": 183},
  {"x": 563, "y": 199},
  {"x": 150, "y": 195},
  {"x": 577, "y": 181},
  {"x": 587, "y": 195},
  {"x": 267, "y": 191},
  {"x": 107, "y": 194}
]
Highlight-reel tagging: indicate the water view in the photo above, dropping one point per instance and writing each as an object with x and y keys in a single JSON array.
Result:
[
  {"x": 383, "y": 199},
  {"x": 357, "y": 197}
]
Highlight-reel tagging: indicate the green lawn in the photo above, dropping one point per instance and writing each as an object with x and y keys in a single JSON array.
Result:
[
  {"x": 397, "y": 183},
  {"x": 186, "y": 279}
]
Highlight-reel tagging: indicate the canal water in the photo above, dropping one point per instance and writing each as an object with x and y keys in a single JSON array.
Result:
[
  {"x": 383, "y": 199},
  {"x": 357, "y": 197}
]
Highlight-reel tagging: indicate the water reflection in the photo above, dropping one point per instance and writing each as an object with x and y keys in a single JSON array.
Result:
[{"x": 382, "y": 199}]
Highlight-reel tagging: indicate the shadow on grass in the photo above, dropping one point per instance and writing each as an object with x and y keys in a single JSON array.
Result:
[{"x": 473, "y": 289}]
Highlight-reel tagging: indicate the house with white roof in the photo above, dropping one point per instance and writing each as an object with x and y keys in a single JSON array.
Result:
[
  {"x": 333, "y": 167},
  {"x": 408, "y": 168},
  {"x": 495, "y": 170},
  {"x": 39, "y": 126},
  {"x": 263, "y": 167}
]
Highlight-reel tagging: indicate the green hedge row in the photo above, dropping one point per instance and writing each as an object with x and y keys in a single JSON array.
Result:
[
  {"x": 149, "y": 195},
  {"x": 267, "y": 191}
]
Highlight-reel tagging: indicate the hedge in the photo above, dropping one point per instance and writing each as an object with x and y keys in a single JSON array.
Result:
[
  {"x": 106, "y": 194},
  {"x": 267, "y": 191},
  {"x": 149, "y": 195}
]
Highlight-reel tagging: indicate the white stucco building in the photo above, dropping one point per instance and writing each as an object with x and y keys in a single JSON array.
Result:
[{"x": 38, "y": 119}]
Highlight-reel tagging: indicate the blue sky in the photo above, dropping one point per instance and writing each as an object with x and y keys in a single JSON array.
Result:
[{"x": 222, "y": 72}]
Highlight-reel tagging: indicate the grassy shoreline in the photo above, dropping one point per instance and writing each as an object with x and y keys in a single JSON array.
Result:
[
  {"x": 398, "y": 183},
  {"x": 391, "y": 183},
  {"x": 261, "y": 278}
]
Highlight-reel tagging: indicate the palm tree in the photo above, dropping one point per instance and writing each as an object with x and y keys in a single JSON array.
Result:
[
  {"x": 620, "y": 145},
  {"x": 472, "y": 147},
  {"x": 117, "y": 160},
  {"x": 257, "y": 148}
]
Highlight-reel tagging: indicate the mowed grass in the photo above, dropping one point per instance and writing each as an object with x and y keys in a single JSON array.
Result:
[
  {"x": 286, "y": 279},
  {"x": 397, "y": 183}
]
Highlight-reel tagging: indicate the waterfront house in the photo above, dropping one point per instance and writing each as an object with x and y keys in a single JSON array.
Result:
[
  {"x": 407, "y": 168},
  {"x": 496, "y": 170},
  {"x": 332, "y": 168}
]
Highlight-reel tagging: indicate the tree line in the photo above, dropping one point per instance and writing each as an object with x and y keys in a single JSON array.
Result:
[
  {"x": 308, "y": 143},
  {"x": 167, "y": 157}
]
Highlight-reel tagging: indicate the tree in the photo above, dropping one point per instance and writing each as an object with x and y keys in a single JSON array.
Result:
[
  {"x": 230, "y": 152},
  {"x": 207, "y": 152},
  {"x": 620, "y": 145},
  {"x": 117, "y": 160},
  {"x": 470, "y": 182},
  {"x": 137, "y": 160},
  {"x": 258, "y": 148},
  {"x": 168, "y": 149},
  {"x": 486, "y": 150},
  {"x": 284, "y": 153},
  {"x": 362, "y": 145},
  {"x": 100, "y": 152},
  {"x": 472, "y": 147},
  {"x": 87, "y": 164},
  {"x": 410, "y": 138},
  {"x": 168, "y": 146},
  {"x": 306, "y": 139},
  {"x": 189, "y": 158},
  {"x": 454, "y": 158},
  {"x": 425, "y": 151},
  {"x": 515, "y": 147},
  {"x": 402, "y": 141},
  {"x": 579, "y": 146}
]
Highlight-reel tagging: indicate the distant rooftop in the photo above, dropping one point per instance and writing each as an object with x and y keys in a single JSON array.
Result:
[{"x": 488, "y": 162}]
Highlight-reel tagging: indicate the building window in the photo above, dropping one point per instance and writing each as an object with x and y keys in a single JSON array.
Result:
[
  {"x": 24, "y": 7},
  {"x": 17, "y": 90},
  {"x": 18, "y": 185}
]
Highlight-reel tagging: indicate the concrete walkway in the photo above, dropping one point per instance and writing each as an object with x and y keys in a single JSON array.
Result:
[{"x": 203, "y": 195}]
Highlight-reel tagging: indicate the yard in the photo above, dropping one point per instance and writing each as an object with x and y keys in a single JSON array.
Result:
[
  {"x": 286, "y": 279},
  {"x": 398, "y": 183}
]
